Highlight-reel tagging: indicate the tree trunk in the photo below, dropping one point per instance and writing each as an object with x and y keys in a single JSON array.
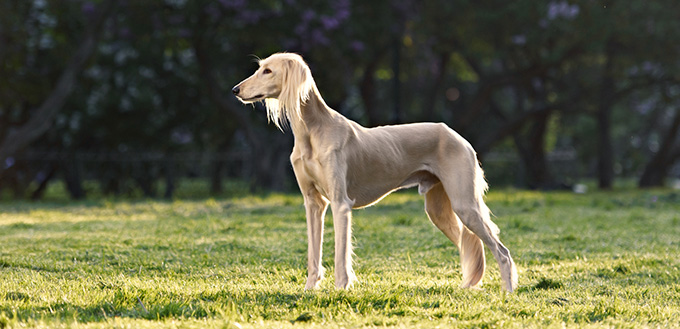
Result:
[
  {"x": 654, "y": 174},
  {"x": 605, "y": 164},
  {"x": 397, "y": 116},
  {"x": 218, "y": 168},
  {"x": 533, "y": 154},
  {"x": 430, "y": 102},
  {"x": 39, "y": 192},
  {"x": 216, "y": 177},
  {"x": 143, "y": 174},
  {"x": 368, "y": 93},
  {"x": 72, "y": 178},
  {"x": 532, "y": 150},
  {"x": 510, "y": 127},
  {"x": 657, "y": 168},
  {"x": 169, "y": 168}
]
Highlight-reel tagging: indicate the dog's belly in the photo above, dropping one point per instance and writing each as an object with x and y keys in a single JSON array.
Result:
[{"x": 365, "y": 195}]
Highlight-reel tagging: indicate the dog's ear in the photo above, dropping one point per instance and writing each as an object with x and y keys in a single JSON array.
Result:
[
  {"x": 295, "y": 87},
  {"x": 296, "y": 83}
]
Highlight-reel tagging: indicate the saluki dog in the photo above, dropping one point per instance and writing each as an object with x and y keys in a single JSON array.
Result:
[{"x": 338, "y": 161}]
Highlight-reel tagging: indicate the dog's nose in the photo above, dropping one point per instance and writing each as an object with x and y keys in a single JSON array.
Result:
[{"x": 236, "y": 90}]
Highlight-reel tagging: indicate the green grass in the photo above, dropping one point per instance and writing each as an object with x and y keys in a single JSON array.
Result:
[{"x": 594, "y": 260}]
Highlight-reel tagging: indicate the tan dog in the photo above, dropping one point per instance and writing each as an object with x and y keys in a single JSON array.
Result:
[{"x": 337, "y": 161}]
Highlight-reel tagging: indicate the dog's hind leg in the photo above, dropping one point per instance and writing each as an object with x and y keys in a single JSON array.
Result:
[
  {"x": 475, "y": 215},
  {"x": 438, "y": 209},
  {"x": 465, "y": 186}
]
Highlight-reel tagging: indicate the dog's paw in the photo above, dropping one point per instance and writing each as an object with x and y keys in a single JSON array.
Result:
[
  {"x": 312, "y": 284},
  {"x": 511, "y": 284},
  {"x": 510, "y": 277},
  {"x": 345, "y": 280},
  {"x": 467, "y": 285},
  {"x": 313, "y": 280}
]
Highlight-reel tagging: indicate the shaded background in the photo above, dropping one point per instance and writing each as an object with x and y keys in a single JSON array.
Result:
[{"x": 126, "y": 97}]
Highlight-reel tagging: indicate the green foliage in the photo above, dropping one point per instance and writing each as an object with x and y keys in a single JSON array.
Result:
[
  {"x": 160, "y": 79},
  {"x": 595, "y": 260}
]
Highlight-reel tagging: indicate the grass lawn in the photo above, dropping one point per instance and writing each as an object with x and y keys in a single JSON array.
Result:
[{"x": 593, "y": 260}]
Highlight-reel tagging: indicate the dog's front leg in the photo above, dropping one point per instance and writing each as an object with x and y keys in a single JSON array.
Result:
[
  {"x": 342, "y": 223},
  {"x": 315, "y": 208}
]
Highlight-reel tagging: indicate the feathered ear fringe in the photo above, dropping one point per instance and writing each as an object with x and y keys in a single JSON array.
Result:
[{"x": 297, "y": 83}]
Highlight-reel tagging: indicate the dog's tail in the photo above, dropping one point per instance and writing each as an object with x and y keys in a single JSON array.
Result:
[{"x": 472, "y": 258}]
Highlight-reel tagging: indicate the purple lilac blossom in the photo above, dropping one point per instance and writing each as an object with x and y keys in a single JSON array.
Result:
[{"x": 88, "y": 8}]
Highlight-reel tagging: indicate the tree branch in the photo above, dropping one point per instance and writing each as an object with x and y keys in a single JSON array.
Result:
[
  {"x": 41, "y": 119},
  {"x": 490, "y": 82}
]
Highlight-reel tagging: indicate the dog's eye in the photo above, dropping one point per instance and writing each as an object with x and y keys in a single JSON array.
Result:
[{"x": 266, "y": 71}]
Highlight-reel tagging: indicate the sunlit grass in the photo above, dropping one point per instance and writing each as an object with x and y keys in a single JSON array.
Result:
[{"x": 593, "y": 260}]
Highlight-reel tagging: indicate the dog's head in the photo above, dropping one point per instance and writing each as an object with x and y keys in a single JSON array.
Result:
[{"x": 283, "y": 81}]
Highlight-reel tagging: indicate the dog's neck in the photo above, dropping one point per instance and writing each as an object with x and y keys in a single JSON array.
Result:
[{"x": 314, "y": 112}]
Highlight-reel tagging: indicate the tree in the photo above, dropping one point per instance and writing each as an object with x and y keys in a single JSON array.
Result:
[
  {"x": 522, "y": 77},
  {"x": 668, "y": 153},
  {"x": 42, "y": 117}
]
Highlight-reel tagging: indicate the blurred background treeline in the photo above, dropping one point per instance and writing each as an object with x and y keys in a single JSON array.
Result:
[{"x": 122, "y": 97}]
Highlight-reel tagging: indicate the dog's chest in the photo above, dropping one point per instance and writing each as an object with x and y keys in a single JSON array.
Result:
[
  {"x": 308, "y": 167},
  {"x": 313, "y": 168}
]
